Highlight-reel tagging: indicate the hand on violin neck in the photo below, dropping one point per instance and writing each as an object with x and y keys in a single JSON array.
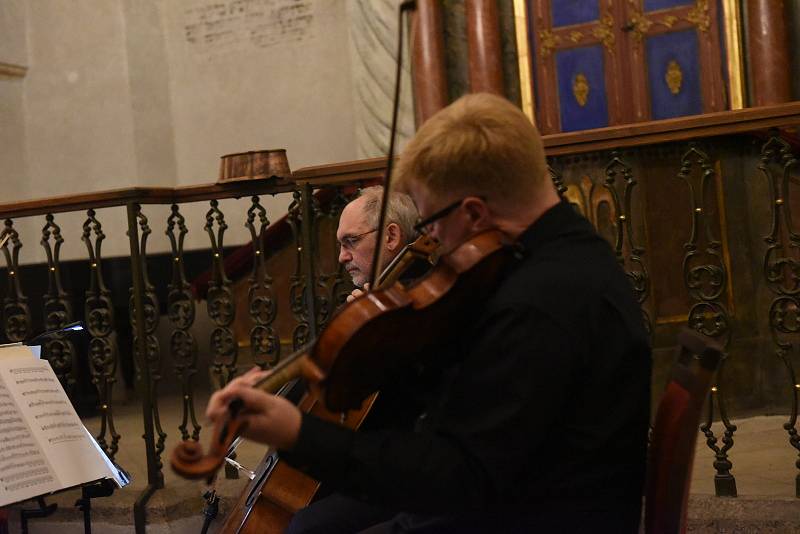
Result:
[{"x": 268, "y": 419}]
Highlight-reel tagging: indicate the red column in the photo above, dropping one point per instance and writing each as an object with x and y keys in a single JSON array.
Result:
[
  {"x": 768, "y": 50},
  {"x": 430, "y": 79},
  {"x": 485, "y": 53}
]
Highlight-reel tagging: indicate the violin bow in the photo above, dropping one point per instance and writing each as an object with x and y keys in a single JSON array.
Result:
[{"x": 405, "y": 7}]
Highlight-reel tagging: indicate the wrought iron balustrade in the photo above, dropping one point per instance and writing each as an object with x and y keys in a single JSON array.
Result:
[{"x": 309, "y": 290}]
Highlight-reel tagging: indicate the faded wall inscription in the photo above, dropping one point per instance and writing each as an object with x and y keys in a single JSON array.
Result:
[{"x": 237, "y": 24}]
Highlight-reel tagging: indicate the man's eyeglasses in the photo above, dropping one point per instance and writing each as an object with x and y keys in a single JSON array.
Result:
[
  {"x": 423, "y": 226},
  {"x": 350, "y": 242}
]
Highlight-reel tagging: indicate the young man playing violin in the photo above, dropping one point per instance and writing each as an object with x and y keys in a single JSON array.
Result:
[{"x": 541, "y": 423}]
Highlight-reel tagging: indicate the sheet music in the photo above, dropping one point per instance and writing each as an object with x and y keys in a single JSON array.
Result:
[
  {"x": 24, "y": 469},
  {"x": 43, "y": 444}
]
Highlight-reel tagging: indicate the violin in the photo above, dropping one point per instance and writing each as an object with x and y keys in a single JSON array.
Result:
[{"x": 368, "y": 339}]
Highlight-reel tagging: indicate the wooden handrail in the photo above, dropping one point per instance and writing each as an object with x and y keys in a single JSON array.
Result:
[
  {"x": 142, "y": 195},
  {"x": 679, "y": 129},
  {"x": 670, "y": 130}
]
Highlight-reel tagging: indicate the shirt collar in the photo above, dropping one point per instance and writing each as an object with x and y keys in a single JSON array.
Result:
[{"x": 559, "y": 219}]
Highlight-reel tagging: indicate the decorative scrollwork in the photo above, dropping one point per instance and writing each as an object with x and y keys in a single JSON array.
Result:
[
  {"x": 700, "y": 16},
  {"x": 150, "y": 310},
  {"x": 784, "y": 316},
  {"x": 673, "y": 77},
  {"x": 221, "y": 307},
  {"x": 724, "y": 481},
  {"x": 323, "y": 306},
  {"x": 264, "y": 343},
  {"x": 639, "y": 25},
  {"x": 99, "y": 313},
  {"x": 706, "y": 282},
  {"x": 16, "y": 315},
  {"x": 297, "y": 287},
  {"x": 333, "y": 287},
  {"x": 668, "y": 21},
  {"x": 547, "y": 43},
  {"x": 709, "y": 319},
  {"x": 558, "y": 180},
  {"x": 59, "y": 350},
  {"x": 580, "y": 89},
  {"x": 782, "y": 268},
  {"x": 181, "y": 313},
  {"x": 705, "y": 277},
  {"x": 604, "y": 31},
  {"x": 575, "y": 36},
  {"x": 630, "y": 254}
]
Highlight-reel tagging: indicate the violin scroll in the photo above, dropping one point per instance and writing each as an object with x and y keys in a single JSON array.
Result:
[{"x": 187, "y": 457}]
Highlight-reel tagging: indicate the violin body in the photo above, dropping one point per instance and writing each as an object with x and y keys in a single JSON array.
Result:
[
  {"x": 382, "y": 330},
  {"x": 362, "y": 344}
]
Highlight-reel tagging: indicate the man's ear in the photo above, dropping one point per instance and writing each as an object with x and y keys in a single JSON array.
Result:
[
  {"x": 478, "y": 213},
  {"x": 393, "y": 237}
]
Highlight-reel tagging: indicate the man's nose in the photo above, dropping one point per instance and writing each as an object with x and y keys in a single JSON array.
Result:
[{"x": 344, "y": 255}]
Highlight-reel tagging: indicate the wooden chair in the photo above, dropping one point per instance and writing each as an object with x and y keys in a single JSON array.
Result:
[{"x": 674, "y": 436}]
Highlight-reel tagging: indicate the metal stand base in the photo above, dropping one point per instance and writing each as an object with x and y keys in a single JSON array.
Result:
[
  {"x": 44, "y": 510},
  {"x": 210, "y": 510},
  {"x": 103, "y": 488}
]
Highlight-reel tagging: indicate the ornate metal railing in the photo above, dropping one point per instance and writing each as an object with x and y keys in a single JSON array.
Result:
[{"x": 309, "y": 295}]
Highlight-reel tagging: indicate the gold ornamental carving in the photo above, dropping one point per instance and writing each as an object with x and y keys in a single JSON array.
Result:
[
  {"x": 604, "y": 32},
  {"x": 580, "y": 89},
  {"x": 674, "y": 77},
  {"x": 547, "y": 41},
  {"x": 639, "y": 25},
  {"x": 575, "y": 36},
  {"x": 699, "y": 16},
  {"x": 669, "y": 21}
]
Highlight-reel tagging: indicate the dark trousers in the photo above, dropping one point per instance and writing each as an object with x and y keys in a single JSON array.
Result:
[{"x": 337, "y": 514}]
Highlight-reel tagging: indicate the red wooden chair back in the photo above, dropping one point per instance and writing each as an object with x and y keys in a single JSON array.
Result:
[{"x": 674, "y": 436}]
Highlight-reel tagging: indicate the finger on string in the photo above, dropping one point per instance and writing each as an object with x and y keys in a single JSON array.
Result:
[
  {"x": 218, "y": 403},
  {"x": 250, "y": 378},
  {"x": 255, "y": 400}
]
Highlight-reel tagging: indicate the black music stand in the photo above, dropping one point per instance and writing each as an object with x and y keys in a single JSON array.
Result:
[{"x": 91, "y": 490}]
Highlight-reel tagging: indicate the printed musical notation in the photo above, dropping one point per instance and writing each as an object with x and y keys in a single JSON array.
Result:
[
  {"x": 235, "y": 24},
  {"x": 22, "y": 462},
  {"x": 44, "y": 446}
]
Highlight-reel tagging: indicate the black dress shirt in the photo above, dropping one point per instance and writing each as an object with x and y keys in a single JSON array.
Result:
[{"x": 542, "y": 418}]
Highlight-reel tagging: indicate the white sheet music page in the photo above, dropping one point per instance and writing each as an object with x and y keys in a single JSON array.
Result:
[{"x": 43, "y": 444}]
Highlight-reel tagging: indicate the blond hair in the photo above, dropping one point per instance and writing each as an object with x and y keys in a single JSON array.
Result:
[{"x": 481, "y": 145}]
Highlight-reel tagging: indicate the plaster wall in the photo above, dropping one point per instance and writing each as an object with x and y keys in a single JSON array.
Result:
[
  {"x": 13, "y": 51},
  {"x": 78, "y": 123},
  {"x": 125, "y": 93},
  {"x": 13, "y": 48}
]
